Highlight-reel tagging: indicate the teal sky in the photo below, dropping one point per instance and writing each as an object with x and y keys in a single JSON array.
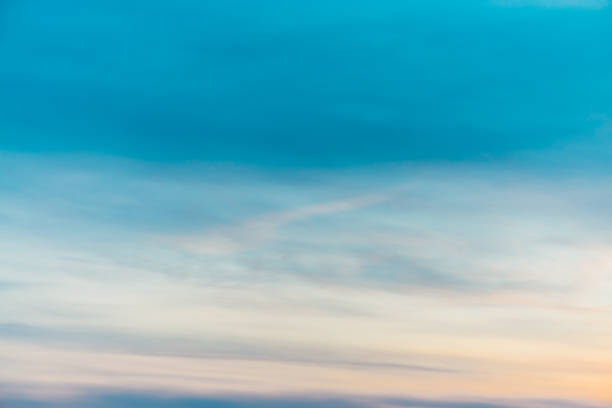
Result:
[
  {"x": 313, "y": 84},
  {"x": 325, "y": 203}
]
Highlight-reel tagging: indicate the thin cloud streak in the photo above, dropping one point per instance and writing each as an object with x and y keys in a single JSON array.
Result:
[
  {"x": 418, "y": 273},
  {"x": 257, "y": 231},
  {"x": 211, "y": 349}
]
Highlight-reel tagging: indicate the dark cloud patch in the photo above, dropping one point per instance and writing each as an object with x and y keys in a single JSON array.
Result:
[
  {"x": 158, "y": 401},
  {"x": 443, "y": 404},
  {"x": 145, "y": 401}
]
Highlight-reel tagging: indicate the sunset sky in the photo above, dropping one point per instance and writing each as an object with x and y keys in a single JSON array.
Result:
[{"x": 305, "y": 204}]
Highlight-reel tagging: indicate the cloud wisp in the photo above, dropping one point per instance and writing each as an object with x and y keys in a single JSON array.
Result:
[
  {"x": 413, "y": 276},
  {"x": 232, "y": 203},
  {"x": 257, "y": 231}
]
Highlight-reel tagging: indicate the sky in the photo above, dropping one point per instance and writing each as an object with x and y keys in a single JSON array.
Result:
[{"x": 315, "y": 204}]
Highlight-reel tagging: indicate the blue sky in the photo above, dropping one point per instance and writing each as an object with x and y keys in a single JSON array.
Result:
[
  {"x": 323, "y": 203},
  {"x": 313, "y": 83}
]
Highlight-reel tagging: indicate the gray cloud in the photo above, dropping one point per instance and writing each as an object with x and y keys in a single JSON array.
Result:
[
  {"x": 213, "y": 347},
  {"x": 115, "y": 400}
]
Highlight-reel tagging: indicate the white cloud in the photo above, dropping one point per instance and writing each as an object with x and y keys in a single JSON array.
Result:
[{"x": 258, "y": 230}]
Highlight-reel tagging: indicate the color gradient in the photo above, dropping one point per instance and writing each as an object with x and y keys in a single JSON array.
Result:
[{"x": 327, "y": 203}]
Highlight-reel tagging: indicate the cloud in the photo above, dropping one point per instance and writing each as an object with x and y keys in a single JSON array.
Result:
[
  {"x": 110, "y": 400},
  {"x": 262, "y": 229},
  {"x": 457, "y": 274},
  {"x": 383, "y": 279},
  {"x": 212, "y": 348}
]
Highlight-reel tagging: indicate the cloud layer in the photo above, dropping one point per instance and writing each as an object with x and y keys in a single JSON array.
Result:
[
  {"x": 408, "y": 277},
  {"x": 322, "y": 203}
]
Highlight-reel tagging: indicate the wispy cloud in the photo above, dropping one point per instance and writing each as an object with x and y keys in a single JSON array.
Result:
[
  {"x": 214, "y": 348},
  {"x": 326, "y": 283},
  {"x": 236, "y": 227},
  {"x": 260, "y": 230}
]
